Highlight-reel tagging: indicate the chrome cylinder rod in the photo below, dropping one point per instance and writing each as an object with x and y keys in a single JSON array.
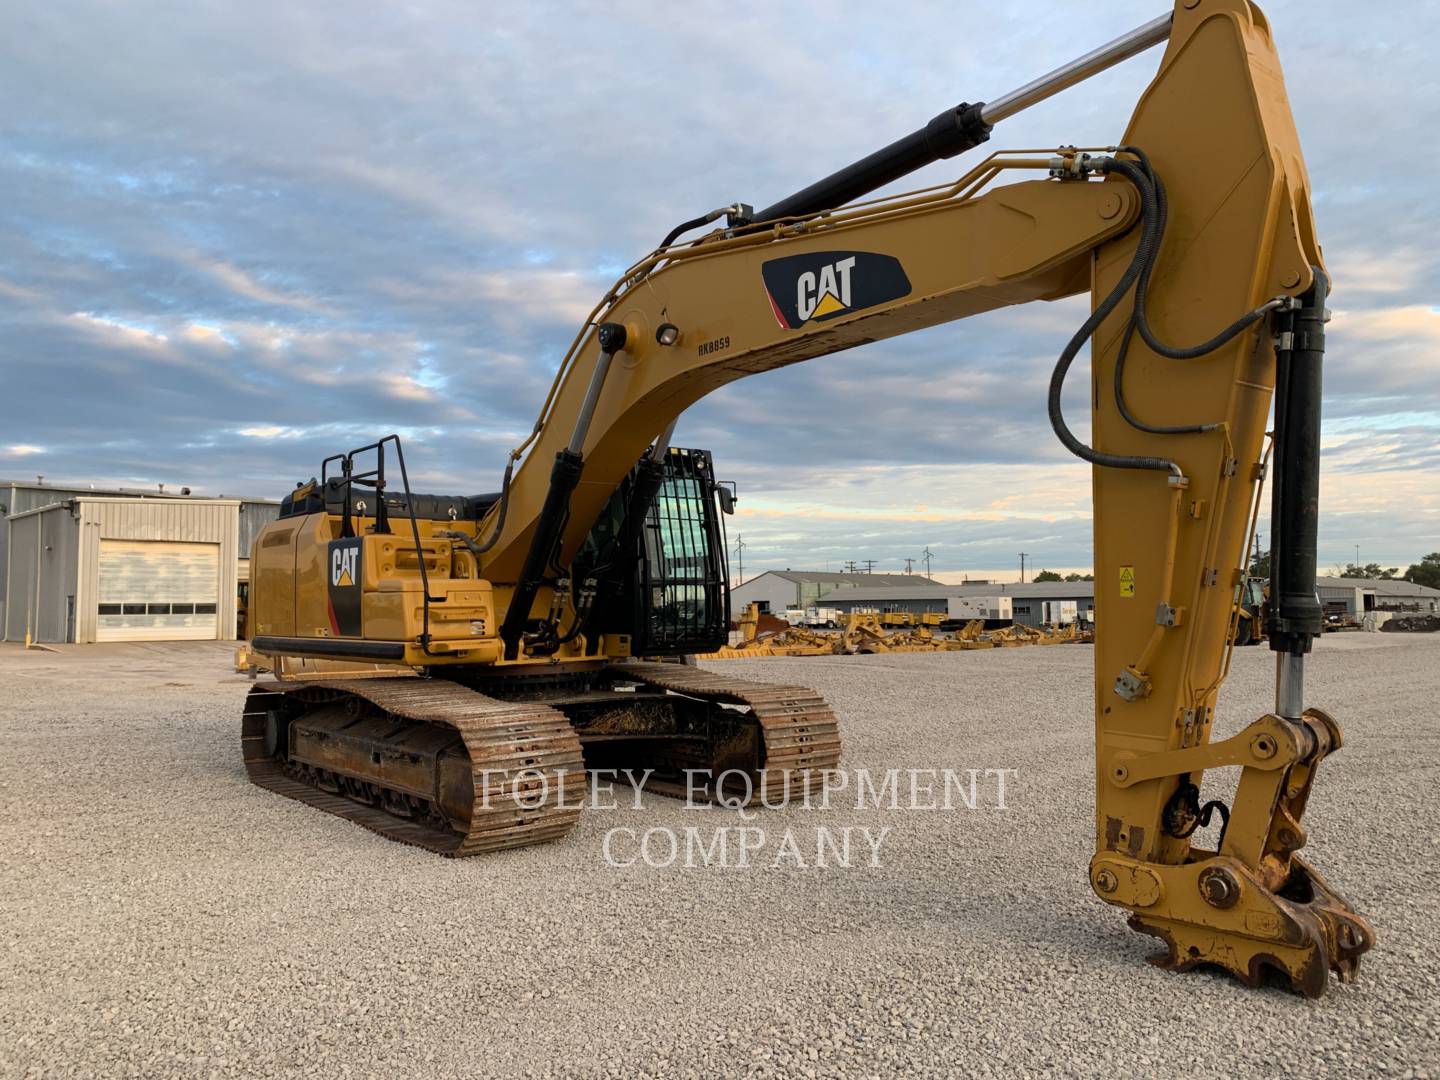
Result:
[
  {"x": 1289, "y": 685},
  {"x": 1078, "y": 70},
  {"x": 955, "y": 130},
  {"x": 612, "y": 340},
  {"x": 662, "y": 444}
]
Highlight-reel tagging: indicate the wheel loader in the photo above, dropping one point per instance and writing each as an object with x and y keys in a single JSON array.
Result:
[{"x": 496, "y": 645}]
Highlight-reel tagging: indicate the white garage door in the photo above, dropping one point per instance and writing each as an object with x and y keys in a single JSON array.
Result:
[{"x": 154, "y": 591}]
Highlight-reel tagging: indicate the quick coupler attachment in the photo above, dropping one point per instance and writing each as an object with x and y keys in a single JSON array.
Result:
[{"x": 1253, "y": 907}]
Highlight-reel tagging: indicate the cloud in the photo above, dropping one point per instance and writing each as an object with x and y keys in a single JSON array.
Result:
[
  {"x": 243, "y": 284},
  {"x": 134, "y": 334},
  {"x": 236, "y": 239}
]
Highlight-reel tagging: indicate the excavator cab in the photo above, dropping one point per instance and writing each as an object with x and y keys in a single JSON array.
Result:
[{"x": 663, "y": 581}]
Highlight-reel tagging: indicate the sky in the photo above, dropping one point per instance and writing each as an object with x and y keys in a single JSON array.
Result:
[{"x": 235, "y": 238}]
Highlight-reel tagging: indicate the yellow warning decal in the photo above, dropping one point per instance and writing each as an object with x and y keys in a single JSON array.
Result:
[{"x": 1127, "y": 581}]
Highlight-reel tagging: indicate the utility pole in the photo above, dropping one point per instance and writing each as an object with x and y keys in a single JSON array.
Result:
[
  {"x": 927, "y": 555},
  {"x": 869, "y": 565},
  {"x": 740, "y": 555},
  {"x": 1022, "y": 566},
  {"x": 1357, "y": 554},
  {"x": 908, "y": 563}
]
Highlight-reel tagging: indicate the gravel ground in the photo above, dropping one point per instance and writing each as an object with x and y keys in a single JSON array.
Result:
[{"x": 161, "y": 916}]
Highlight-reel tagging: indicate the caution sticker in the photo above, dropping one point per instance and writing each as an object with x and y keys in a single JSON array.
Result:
[{"x": 1127, "y": 581}]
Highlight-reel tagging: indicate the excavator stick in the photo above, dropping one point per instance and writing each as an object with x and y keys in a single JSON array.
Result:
[{"x": 1230, "y": 214}]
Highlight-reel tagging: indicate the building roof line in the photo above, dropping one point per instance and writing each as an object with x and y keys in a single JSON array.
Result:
[
  {"x": 83, "y": 488},
  {"x": 836, "y": 577},
  {"x": 115, "y": 500},
  {"x": 1389, "y": 586}
]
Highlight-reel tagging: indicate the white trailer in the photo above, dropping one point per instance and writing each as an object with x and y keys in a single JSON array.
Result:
[
  {"x": 1059, "y": 612},
  {"x": 989, "y": 608},
  {"x": 814, "y": 616}
]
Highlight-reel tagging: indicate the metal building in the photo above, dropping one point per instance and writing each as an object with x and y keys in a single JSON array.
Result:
[
  {"x": 1345, "y": 596},
  {"x": 1028, "y": 602},
  {"x": 1397, "y": 594},
  {"x": 776, "y": 590},
  {"x": 123, "y": 569},
  {"x": 17, "y": 496},
  {"x": 1356, "y": 596}
]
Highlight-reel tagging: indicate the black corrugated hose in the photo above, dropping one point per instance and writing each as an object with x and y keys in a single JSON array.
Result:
[{"x": 1154, "y": 211}]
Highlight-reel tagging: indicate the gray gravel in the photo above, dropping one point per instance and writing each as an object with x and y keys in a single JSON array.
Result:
[{"x": 160, "y": 916}]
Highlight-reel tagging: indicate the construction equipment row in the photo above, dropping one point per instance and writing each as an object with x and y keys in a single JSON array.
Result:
[{"x": 887, "y": 632}]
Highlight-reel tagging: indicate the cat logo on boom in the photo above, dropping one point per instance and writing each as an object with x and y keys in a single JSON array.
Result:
[{"x": 825, "y": 284}]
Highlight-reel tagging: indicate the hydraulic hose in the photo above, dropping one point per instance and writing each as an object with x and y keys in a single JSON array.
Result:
[
  {"x": 1142, "y": 287},
  {"x": 1144, "y": 254},
  {"x": 1125, "y": 413},
  {"x": 1154, "y": 213},
  {"x": 473, "y": 545},
  {"x": 695, "y": 223}
]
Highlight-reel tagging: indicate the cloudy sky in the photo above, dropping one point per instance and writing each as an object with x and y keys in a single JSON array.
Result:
[{"x": 235, "y": 237}]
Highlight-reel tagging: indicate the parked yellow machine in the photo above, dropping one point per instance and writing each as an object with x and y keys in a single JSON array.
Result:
[
  {"x": 971, "y": 636},
  {"x": 512, "y": 620},
  {"x": 792, "y": 641},
  {"x": 1250, "y": 612}
]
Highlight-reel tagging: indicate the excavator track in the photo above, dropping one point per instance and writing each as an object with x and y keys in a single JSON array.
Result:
[
  {"x": 798, "y": 735},
  {"x": 434, "y": 763},
  {"x": 506, "y": 774}
]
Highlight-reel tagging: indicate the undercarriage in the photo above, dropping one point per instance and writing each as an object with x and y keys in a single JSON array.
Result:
[{"x": 466, "y": 764}]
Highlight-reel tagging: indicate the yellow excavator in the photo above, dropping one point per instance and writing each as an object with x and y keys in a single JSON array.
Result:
[{"x": 506, "y": 629}]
